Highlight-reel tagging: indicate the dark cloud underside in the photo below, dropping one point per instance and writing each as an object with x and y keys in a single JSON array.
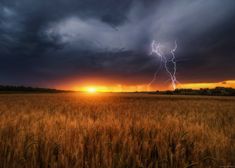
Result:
[{"x": 44, "y": 41}]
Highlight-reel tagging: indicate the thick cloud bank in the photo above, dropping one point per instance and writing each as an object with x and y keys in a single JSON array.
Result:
[{"x": 44, "y": 41}]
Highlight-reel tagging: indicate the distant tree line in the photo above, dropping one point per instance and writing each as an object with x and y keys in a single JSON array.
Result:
[
  {"x": 218, "y": 91},
  {"x": 24, "y": 89}
]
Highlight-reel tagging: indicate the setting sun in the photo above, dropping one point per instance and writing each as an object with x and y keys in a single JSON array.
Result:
[{"x": 91, "y": 90}]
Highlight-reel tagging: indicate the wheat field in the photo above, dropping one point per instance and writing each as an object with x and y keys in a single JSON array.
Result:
[{"x": 116, "y": 131}]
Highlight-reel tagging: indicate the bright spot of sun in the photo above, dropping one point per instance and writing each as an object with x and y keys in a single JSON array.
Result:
[{"x": 91, "y": 90}]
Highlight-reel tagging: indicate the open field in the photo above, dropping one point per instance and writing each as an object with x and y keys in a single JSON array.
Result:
[{"x": 116, "y": 130}]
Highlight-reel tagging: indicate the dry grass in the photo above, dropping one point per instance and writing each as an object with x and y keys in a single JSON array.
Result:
[{"x": 116, "y": 130}]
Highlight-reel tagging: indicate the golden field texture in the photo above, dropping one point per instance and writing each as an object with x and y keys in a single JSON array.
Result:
[{"x": 116, "y": 130}]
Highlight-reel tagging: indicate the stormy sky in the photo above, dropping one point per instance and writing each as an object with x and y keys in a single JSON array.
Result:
[{"x": 54, "y": 42}]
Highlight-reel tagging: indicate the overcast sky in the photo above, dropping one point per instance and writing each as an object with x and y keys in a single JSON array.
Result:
[{"x": 49, "y": 42}]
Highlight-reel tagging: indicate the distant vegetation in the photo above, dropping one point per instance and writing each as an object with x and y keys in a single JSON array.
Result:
[
  {"x": 218, "y": 91},
  {"x": 24, "y": 89}
]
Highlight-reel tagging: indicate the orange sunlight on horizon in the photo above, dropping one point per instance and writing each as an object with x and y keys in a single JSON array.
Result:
[
  {"x": 228, "y": 83},
  {"x": 139, "y": 88},
  {"x": 112, "y": 88}
]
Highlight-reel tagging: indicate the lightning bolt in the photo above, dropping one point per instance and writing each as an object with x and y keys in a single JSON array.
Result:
[{"x": 157, "y": 48}]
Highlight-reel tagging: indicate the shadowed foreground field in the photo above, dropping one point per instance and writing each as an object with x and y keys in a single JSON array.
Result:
[{"x": 116, "y": 130}]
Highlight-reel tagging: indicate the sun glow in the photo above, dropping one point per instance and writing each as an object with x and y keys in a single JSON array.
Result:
[
  {"x": 91, "y": 90},
  {"x": 109, "y": 89}
]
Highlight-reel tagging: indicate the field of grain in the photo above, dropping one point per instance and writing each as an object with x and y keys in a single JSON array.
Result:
[{"x": 116, "y": 130}]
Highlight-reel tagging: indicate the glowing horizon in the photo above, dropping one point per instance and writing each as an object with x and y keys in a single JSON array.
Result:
[
  {"x": 143, "y": 87},
  {"x": 210, "y": 85}
]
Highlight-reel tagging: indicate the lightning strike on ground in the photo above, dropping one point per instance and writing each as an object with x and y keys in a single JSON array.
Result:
[{"x": 167, "y": 57}]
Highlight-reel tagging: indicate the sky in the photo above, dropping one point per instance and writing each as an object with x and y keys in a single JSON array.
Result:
[{"x": 77, "y": 43}]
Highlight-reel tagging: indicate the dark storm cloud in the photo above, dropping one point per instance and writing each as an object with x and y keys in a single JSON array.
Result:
[{"x": 44, "y": 40}]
